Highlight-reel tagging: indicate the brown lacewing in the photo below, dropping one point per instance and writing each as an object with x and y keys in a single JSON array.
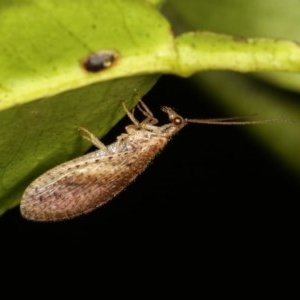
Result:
[{"x": 87, "y": 182}]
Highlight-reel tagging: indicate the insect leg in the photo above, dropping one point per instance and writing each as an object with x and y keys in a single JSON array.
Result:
[
  {"x": 144, "y": 109},
  {"x": 92, "y": 138}
]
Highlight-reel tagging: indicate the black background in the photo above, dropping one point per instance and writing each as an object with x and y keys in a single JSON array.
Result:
[{"x": 212, "y": 199}]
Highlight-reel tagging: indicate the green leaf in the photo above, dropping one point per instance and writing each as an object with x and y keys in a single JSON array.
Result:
[{"x": 208, "y": 51}]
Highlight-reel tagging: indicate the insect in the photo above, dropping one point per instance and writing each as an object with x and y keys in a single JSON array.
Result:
[{"x": 87, "y": 182}]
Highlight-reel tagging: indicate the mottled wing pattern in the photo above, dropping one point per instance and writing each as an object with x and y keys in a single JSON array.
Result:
[{"x": 85, "y": 185}]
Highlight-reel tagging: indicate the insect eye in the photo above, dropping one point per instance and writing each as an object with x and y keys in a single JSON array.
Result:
[{"x": 177, "y": 121}]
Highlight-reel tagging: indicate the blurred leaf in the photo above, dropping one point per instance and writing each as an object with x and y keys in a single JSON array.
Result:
[
  {"x": 256, "y": 18},
  {"x": 282, "y": 138}
]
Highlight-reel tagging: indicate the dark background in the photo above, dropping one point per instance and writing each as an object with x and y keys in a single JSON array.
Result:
[{"x": 213, "y": 197}]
